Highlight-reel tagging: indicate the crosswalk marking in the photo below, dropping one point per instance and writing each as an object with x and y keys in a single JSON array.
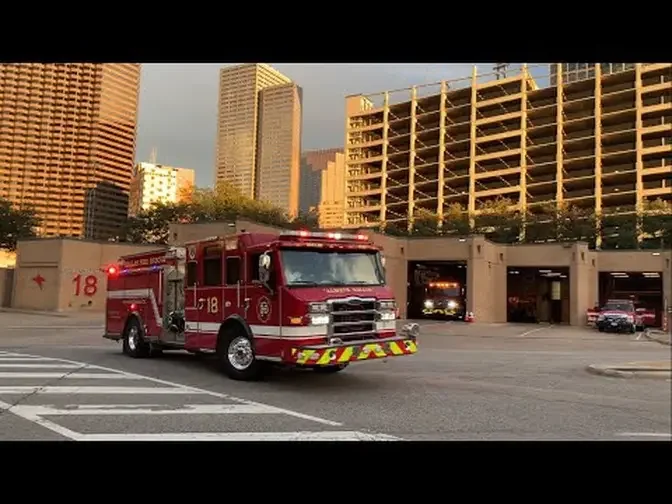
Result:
[
  {"x": 156, "y": 409},
  {"x": 245, "y": 436},
  {"x": 95, "y": 390},
  {"x": 15, "y": 366},
  {"x": 80, "y": 376},
  {"x": 43, "y": 366}
]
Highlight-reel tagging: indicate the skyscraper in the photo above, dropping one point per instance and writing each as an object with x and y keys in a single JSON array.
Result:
[
  {"x": 313, "y": 166},
  {"x": 67, "y": 143},
  {"x": 258, "y": 131},
  {"x": 279, "y": 147}
]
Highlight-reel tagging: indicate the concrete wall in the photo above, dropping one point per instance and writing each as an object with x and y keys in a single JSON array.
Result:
[
  {"x": 6, "y": 287},
  {"x": 65, "y": 274},
  {"x": 49, "y": 271}
]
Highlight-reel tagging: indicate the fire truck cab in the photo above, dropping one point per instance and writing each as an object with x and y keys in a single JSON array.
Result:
[
  {"x": 444, "y": 298},
  {"x": 315, "y": 300}
]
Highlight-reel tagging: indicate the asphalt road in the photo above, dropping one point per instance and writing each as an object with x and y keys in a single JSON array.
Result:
[{"x": 60, "y": 380}]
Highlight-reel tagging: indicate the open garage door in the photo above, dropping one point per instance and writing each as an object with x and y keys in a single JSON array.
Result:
[
  {"x": 437, "y": 290},
  {"x": 645, "y": 289},
  {"x": 538, "y": 295}
]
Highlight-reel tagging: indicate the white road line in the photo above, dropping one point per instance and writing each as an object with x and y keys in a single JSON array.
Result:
[
  {"x": 71, "y": 376},
  {"x": 42, "y": 366},
  {"x": 646, "y": 434},
  {"x": 527, "y": 333},
  {"x": 149, "y": 409},
  {"x": 97, "y": 390},
  {"x": 244, "y": 436},
  {"x": 196, "y": 390},
  {"x": 24, "y": 359}
]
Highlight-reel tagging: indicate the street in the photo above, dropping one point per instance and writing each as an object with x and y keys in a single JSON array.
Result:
[{"x": 60, "y": 380}]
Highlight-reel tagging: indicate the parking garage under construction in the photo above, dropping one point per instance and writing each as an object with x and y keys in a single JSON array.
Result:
[{"x": 603, "y": 143}]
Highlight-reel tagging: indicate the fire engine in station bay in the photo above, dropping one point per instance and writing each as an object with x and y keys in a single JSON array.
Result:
[{"x": 314, "y": 300}]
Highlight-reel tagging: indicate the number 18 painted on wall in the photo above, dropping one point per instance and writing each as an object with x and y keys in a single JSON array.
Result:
[{"x": 88, "y": 287}]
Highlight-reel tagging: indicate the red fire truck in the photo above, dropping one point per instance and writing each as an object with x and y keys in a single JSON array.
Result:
[{"x": 315, "y": 300}]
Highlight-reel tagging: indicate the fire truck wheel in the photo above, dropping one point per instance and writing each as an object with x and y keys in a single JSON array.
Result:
[
  {"x": 134, "y": 344},
  {"x": 330, "y": 369},
  {"x": 236, "y": 355}
]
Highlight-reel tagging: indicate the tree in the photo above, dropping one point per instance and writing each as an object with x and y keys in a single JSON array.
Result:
[
  {"x": 656, "y": 224},
  {"x": 455, "y": 221},
  {"x": 425, "y": 223},
  {"x": 306, "y": 220},
  {"x": 16, "y": 224},
  {"x": 153, "y": 226},
  {"x": 498, "y": 221},
  {"x": 542, "y": 225},
  {"x": 576, "y": 224},
  {"x": 619, "y": 231}
]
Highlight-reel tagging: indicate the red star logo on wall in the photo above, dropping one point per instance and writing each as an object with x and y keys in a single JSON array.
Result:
[{"x": 39, "y": 280}]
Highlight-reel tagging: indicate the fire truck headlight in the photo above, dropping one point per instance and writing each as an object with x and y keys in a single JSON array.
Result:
[
  {"x": 388, "y": 315},
  {"x": 452, "y": 304},
  {"x": 318, "y": 319},
  {"x": 387, "y": 305},
  {"x": 318, "y": 307},
  {"x": 429, "y": 303}
]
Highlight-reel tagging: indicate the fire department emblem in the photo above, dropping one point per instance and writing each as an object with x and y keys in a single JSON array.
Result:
[
  {"x": 263, "y": 309},
  {"x": 192, "y": 252}
]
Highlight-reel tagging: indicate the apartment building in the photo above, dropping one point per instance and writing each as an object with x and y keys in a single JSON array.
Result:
[
  {"x": 254, "y": 99},
  {"x": 602, "y": 142},
  {"x": 67, "y": 143},
  {"x": 156, "y": 183}
]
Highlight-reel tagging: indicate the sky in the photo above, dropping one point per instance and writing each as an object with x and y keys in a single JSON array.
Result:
[{"x": 178, "y": 104}]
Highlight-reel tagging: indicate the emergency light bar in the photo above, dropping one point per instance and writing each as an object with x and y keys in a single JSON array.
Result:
[{"x": 332, "y": 236}]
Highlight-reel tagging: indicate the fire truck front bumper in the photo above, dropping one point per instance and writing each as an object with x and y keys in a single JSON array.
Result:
[{"x": 400, "y": 345}]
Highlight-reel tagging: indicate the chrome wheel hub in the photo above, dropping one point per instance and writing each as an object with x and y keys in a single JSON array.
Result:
[
  {"x": 133, "y": 338},
  {"x": 240, "y": 353}
]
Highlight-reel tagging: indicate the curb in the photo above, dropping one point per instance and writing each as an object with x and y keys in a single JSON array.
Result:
[
  {"x": 617, "y": 373},
  {"x": 651, "y": 337}
]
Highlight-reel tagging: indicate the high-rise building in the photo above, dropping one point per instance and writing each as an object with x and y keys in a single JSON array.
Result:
[
  {"x": 572, "y": 72},
  {"x": 279, "y": 147},
  {"x": 603, "y": 143},
  {"x": 313, "y": 164},
  {"x": 67, "y": 143},
  {"x": 238, "y": 121},
  {"x": 331, "y": 210},
  {"x": 155, "y": 183}
]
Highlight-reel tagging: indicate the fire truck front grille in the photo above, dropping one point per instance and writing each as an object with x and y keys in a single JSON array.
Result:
[{"x": 353, "y": 320}]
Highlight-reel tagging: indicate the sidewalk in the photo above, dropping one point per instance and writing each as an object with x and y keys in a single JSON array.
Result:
[
  {"x": 649, "y": 369},
  {"x": 658, "y": 336}
]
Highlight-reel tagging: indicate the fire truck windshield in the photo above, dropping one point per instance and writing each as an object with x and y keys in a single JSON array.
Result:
[
  {"x": 443, "y": 291},
  {"x": 314, "y": 267}
]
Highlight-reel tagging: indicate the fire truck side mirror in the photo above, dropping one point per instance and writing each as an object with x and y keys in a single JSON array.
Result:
[{"x": 264, "y": 268}]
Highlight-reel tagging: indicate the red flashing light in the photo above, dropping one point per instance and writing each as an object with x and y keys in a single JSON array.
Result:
[
  {"x": 133, "y": 307},
  {"x": 112, "y": 270},
  {"x": 304, "y": 234}
]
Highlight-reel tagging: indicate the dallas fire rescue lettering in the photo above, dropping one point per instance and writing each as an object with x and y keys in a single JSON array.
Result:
[{"x": 263, "y": 309}]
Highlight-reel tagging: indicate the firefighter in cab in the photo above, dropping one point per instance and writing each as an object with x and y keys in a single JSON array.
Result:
[{"x": 445, "y": 299}]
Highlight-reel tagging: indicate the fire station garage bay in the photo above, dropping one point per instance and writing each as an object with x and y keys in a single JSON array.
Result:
[{"x": 431, "y": 277}]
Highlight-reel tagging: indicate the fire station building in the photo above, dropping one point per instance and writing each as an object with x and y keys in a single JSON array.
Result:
[{"x": 555, "y": 283}]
